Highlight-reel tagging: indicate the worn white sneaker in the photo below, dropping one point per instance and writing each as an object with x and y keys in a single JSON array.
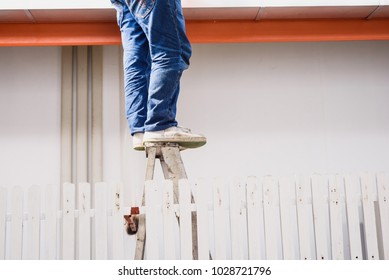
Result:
[
  {"x": 137, "y": 141},
  {"x": 182, "y": 136}
]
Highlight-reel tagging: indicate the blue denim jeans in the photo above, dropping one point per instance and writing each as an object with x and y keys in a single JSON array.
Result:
[{"x": 156, "y": 51}]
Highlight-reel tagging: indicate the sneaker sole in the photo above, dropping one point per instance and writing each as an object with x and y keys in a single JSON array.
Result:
[{"x": 186, "y": 143}]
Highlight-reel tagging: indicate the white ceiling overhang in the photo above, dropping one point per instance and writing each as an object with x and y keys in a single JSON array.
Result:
[{"x": 102, "y": 11}]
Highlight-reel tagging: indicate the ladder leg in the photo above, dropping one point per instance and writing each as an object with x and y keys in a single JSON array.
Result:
[
  {"x": 175, "y": 167},
  {"x": 141, "y": 233},
  {"x": 140, "y": 238},
  {"x": 151, "y": 155}
]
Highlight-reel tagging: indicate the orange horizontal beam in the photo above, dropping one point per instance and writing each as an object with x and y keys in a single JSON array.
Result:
[
  {"x": 45, "y": 34},
  {"x": 60, "y": 34},
  {"x": 288, "y": 31}
]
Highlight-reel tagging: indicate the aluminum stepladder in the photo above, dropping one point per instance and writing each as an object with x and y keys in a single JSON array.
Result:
[{"x": 173, "y": 169}]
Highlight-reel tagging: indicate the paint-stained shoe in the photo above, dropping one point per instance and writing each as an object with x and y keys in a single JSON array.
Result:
[
  {"x": 182, "y": 136},
  {"x": 137, "y": 142}
]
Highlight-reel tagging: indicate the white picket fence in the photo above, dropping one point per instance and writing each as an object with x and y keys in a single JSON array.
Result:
[{"x": 315, "y": 217}]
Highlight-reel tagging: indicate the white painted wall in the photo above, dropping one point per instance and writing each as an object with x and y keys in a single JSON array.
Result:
[
  {"x": 266, "y": 108},
  {"x": 30, "y": 86},
  {"x": 285, "y": 108}
]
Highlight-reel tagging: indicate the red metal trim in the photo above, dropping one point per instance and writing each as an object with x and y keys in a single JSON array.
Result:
[
  {"x": 62, "y": 34},
  {"x": 288, "y": 31}
]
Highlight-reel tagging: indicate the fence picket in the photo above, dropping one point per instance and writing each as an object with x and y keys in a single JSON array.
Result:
[
  {"x": 16, "y": 223},
  {"x": 3, "y": 221},
  {"x": 288, "y": 214},
  {"x": 368, "y": 198},
  {"x": 236, "y": 216},
  {"x": 219, "y": 220},
  {"x": 68, "y": 224},
  {"x": 33, "y": 224},
  {"x": 100, "y": 224},
  {"x": 336, "y": 220},
  {"x": 383, "y": 192},
  {"x": 169, "y": 218},
  {"x": 272, "y": 218},
  {"x": 185, "y": 219},
  {"x": 84, "y": 221},
  {"x": 151, "y": 202},
  {"x": 203, "y": 219},
  {"x": 304, "y": 218},
  {"x": 51, "y": 211},
  {"x": 321, "y": 217},
  {"x": 255, "y": 219},
  {"x": 353, "y": 190},
  {"x": 118, "y": 224}
]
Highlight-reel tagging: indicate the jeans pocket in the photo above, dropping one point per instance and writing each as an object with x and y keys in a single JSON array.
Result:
[{"x": 141, "y": 8}]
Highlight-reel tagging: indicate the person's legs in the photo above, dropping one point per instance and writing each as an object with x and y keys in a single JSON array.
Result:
[
  {"x": 137, "y": 65},
  {"x": 151, "y": 98},
  {"x": 170, "y": 50},
  {"x": 136, "y": 62}
]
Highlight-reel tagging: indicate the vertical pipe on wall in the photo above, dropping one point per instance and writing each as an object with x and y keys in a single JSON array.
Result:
[
  {"x": 82, "y": 115},
  {"x": 89, "y": 113},
  {"x": 97, "y": 115},
  {"x": 74, "y": 115},
  {"x": 66, "y": 114}
]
